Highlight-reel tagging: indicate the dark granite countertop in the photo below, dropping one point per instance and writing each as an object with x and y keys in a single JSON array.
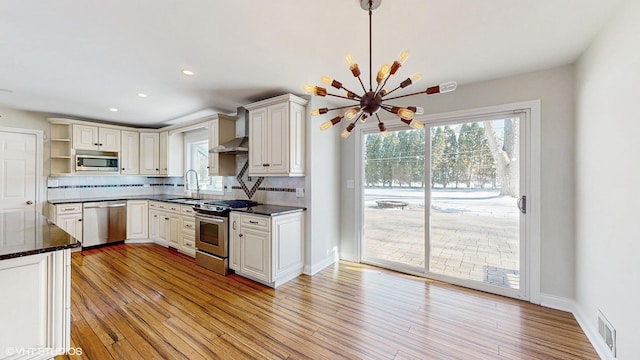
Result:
[
  {"x": 29, "y": 233},
  {"x": 112, "y": 198},
  {"x": 263, "y": 209},
  {"x": 270, "y": 210}
]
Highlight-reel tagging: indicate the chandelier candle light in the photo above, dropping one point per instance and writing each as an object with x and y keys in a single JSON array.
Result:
[{"x": 373, "y": 100}]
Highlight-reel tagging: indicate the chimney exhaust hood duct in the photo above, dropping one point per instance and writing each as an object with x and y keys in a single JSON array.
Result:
[{"x": 239, "y": 145}]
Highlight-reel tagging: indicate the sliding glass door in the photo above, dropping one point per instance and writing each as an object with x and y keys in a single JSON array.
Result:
[
  {"x": 447, "y": 202},
  {"x": 394, "y": 198}
]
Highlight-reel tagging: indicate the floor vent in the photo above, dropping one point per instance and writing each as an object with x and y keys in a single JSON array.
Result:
[{"x": 607, "y": 332}]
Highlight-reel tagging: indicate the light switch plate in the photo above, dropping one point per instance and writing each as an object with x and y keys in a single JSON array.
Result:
[{"x": 299, "y": 192}]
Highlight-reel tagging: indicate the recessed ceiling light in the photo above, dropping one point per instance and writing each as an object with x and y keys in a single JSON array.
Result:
[
  {"x": 188, "y": 72},
  {"x": 142, "y": 95},
  {"x": 113, "y": 109}
]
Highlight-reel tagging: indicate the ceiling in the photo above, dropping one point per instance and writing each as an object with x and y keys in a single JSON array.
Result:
[{"x": 80, "y": 58}]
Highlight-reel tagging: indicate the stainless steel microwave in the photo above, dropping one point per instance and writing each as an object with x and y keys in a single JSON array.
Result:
[{"x": 96, "y": 163}]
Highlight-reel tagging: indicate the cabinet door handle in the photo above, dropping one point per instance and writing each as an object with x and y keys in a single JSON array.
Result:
[
  {"x": 79, "y": 219},
  {"x": 166, "y": 218},
  {"x": 95, "y": 144},
  {"x": 240, "y": 235},
  {"x": 234, "y": 224}
]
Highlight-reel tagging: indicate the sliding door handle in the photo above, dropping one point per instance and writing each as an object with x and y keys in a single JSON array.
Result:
[{"x": 522, "y": 204}]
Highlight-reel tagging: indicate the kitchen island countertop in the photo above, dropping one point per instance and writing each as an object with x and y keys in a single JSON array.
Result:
[{"x": 28, "y": 233}]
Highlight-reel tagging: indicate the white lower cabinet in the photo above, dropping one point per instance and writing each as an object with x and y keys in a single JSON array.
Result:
[
  {"x": 267, "y": 249},
  {"x": 68, "y": 217},
  {"x": 187, "y": 231},
  {"x": 173, "y": 225},
  {"x": 37, "y": 307},
  {"x": 137, "y": 219}
]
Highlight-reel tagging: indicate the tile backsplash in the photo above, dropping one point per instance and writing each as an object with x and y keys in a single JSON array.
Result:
[{"x": 270, "y": 190}]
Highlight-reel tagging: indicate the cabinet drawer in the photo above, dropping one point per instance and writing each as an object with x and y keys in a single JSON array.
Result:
[
  {"x": 187, "y": 210},
  {"x": 168, "y": 207},
  {"x": 69, "y": 208},
  {"x": 256, "y": 222},
  {"x": 188, "y": 242},
  {"x": 154, "y": 204},
  {"x": 188, "y": 225}
]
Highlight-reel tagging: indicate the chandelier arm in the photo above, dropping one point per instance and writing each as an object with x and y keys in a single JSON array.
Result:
[
  {"x": 354, "y": 94},
  {"x": 387, "y": 109},
  {"x": 399, "y": 87},
  {"x": 379, "y": 117},
  {"x": 343, "y": 97},
  {"x": 364, "y": 89},
  {"x": 402, "y": 96},
  {"x": 385, "y": 82},
  {"x": 341, "y": 107}
]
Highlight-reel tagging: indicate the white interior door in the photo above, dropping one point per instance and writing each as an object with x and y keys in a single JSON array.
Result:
[
  {"x": 18, "y": 189},
  {"x": 17, "y": 171}
]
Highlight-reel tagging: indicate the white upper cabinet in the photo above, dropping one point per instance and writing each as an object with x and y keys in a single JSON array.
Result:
[
  {"x": 149, "y": 153},
  {"x": 277, "y": 136},
  {"x": 86, "y": 137},
  {"x": 171, "y": 153},
  {"x": 130, "y": 154}
]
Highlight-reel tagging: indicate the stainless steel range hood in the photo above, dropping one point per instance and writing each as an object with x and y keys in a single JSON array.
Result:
[{"x": 239, "y": 145}]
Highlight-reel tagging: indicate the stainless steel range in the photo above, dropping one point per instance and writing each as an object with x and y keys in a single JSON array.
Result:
[{"x": 212, "y": 233}]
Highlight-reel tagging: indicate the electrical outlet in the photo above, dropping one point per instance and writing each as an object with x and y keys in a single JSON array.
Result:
[
  {"x": 229, "y": 188},
  {"x": 299, "y": 192}
]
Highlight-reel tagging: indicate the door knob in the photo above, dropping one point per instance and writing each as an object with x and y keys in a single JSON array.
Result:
[{"x": 29, "y": 202}]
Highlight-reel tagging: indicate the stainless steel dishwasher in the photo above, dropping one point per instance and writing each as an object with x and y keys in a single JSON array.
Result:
[{"x": 104, "y": 222}]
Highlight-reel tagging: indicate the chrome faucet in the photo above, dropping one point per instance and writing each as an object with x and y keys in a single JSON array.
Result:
[{"x": 186, "y": 179}]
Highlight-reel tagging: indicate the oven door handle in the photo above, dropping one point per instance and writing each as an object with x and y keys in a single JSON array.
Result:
[{"x": 205, "y": 219}]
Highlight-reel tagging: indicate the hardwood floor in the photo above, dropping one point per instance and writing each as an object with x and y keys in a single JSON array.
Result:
[{"x": 146, "y": 302}]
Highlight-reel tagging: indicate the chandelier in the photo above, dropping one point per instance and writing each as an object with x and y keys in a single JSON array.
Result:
[{"x": 372, "y": 101}]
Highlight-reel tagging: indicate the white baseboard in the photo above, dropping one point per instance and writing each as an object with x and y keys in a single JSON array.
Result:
[
  {"x": 568, "y": 305},
  {"x": 557, "y": 302},
  {"x": 138, "y": 241},
  {"x": 320, "y": 265},
  {"x": 592, "y": 334}
]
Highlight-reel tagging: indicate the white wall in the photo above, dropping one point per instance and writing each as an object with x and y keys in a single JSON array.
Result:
[
  {"x": 607, "y": 173},
  {"x": 322, "y": 182},
  {"x": 554, "y": 88}
]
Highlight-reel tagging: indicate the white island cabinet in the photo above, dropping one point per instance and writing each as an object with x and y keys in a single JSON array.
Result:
[
  {"x": 35, "y": 306},
  {"x": 267, "y": 249}
]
